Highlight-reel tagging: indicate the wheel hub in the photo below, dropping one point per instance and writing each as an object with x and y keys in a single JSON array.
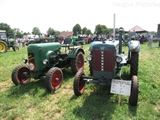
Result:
[{"x": 56, "y": 79}]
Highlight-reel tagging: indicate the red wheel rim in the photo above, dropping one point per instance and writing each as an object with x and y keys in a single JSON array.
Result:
[
  {"x": 21, "y": 77},
  {"x": 80, "y": 61},
  {"x": 56, "y": 79}
]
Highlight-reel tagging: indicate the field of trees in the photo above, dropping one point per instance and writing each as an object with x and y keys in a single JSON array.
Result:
[
  {"x": 32, "y": 100},
  {"x": 77, "y": 29}
]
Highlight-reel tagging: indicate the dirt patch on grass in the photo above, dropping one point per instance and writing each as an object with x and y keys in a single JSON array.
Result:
[
  {"x": 4, "y": 85},
  {"x": 157, "y": 108}
]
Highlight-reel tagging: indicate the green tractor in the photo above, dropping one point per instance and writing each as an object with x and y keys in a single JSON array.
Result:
[
  {"x": 41, "y": 40},
  {"x": 79, "y": 40},
  {"x": 46, "y": 60},
  {"x": 106, "y": 61},
  {"x": 6, "y": 43}
]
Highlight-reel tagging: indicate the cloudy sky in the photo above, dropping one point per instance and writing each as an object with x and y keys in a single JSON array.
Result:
[{"x": 62, "y": 15}]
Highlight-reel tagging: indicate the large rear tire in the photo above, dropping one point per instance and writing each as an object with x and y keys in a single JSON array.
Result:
[
  {"x": 134, "y": 64},
  {"x": 3, "y": 46},
  {"x": 20, "y": 75},
  {"x": 77, "y": 63},
  {"x": 79, "y": 83},
  {"x": 133, "y": 99},
  {"x": 54, "y": 79}
]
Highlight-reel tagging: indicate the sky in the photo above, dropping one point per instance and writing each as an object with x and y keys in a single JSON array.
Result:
[{"x": 63, "y": 15}]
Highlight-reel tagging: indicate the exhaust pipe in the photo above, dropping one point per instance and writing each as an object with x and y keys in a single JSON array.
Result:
[{"x": 120, "y": 39}]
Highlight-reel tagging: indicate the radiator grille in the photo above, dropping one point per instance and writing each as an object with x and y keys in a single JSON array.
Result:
[{"x": 103, "y": 60}]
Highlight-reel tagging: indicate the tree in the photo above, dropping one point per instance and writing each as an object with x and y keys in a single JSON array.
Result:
[
  {"x": 101, "y": 29},
  {"x": 7, "y": 28},
  {"x": 25, "y": 33},
  {"x": 36, "y": 31},
  {"x": 116, "y": 30},
  {"x": 84, "y": 30},
  {"x": 51, "y": 31},
  {"x": 57, "y": 32},
  {"x": 17, "y": 33},
  {"x": 88, "y": 32},
  {"x": 77, "y": 29}
]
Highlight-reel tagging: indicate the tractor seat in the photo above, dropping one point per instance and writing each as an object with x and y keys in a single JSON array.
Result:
[{"x": 67, "y": 41}]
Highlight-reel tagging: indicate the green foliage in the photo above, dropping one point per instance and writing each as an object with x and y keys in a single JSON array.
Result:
[
  {"x": 57, "y": 32},
  {"x": 36, "y": 31},
  {"x": 51, "y": 31},
  {"x": 84, "y": 30},
  {"x": 116, "y": 30},
  {"x": 26, "y": 33},
  {"x": 5, "y": 26},
  {"x": 77, "y": 29},
  {"x": 88, "y": 32},
  {"x": 101, "y": 29}
]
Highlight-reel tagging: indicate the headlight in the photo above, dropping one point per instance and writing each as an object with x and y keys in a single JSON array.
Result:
[
  {"x": 24, "y": 60},
  {"x": 31, "y": 66},
  {"x": 45, "y": 61},
  {"x": 89, "y": 57},
  {"x": 119, "y": 59}
]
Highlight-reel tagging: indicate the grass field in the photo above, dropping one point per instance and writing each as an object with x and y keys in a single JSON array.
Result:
[{"x": 32, "y": 101}]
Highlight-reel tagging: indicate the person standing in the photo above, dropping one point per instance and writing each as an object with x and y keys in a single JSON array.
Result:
[{"x": 22, "y": 40}]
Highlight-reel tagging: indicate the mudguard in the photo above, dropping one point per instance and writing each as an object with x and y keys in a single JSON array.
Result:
[
  {"x": 134, "y": 46},
  {"x": 74, "y": 51}
]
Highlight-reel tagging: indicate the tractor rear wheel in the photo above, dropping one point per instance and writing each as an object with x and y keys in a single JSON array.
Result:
[
  {"x": 133, "y": 99},
  {"x": 134, "y": 64},
  {"x": 79, "y": 83},
  {"x": 77, "y": 63},
  {"x": 54, "y": 79},
  {"x": 3, "y": 46},
  {"x": 20, "y": 74}
]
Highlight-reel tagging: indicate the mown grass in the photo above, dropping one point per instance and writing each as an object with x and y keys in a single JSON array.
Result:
[{"x": 32, "y": 101}]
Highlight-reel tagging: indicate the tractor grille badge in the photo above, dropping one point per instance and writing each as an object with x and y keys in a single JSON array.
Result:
[
  {"x": 102, "y": 60},
  {"x": 102, "y": 47}
]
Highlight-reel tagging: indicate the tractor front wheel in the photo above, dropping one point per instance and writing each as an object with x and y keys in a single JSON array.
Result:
[
  {"x": 77, "y": 63},
  {"x": 20, "y": 74},
  {"x": 133, "y": 99},
  {"x": 3, "y": 46},
  {"x": 15, "y": 48},
  {"x": 134, "y": 64},
  {"x": 54, "y": 79},
  {"x": 79, "y": 83}
]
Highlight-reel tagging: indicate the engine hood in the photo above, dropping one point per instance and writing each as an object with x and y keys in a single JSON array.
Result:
[{"x": 110, "y": 43}]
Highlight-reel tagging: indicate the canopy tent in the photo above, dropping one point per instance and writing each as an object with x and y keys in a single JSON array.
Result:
[{"x": 137, "y": 29}]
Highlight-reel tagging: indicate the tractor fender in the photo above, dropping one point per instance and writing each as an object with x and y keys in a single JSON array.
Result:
[
  {"x": 73, "y": 52},
  {"x": 134, "y": 46},
  {"x": 49, "y": 53},
  {"x": 52, "y": 57}
]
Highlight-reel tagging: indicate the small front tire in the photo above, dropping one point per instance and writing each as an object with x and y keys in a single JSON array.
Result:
[
  {"x": 134, "y": 64},
  {"x": 79, "y": 83},
  {"x": 54, "y": 79},
  {"x": 20, "y": 74},
  {"x": 133, "y": 99},
  {"x": 15, "y": 48}
]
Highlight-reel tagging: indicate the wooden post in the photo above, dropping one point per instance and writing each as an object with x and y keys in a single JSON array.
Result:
[{"x": 119, "y": 99}]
